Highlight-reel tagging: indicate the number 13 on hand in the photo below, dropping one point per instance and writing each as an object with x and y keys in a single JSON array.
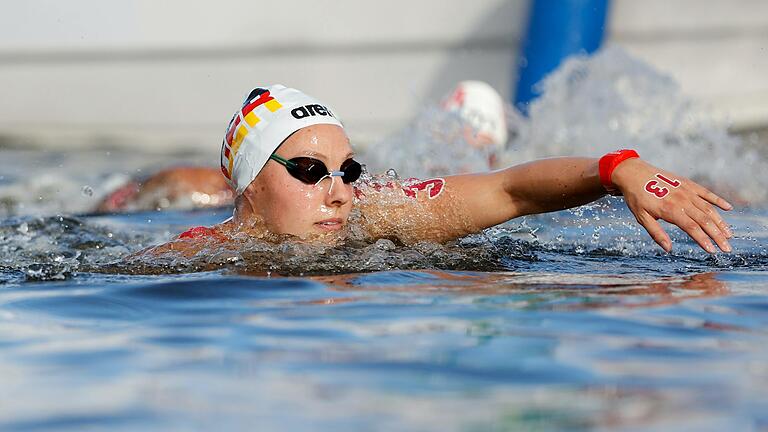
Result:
[{"x": 653, "y": 188}]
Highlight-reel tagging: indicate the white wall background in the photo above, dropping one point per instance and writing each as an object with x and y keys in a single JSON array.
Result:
[
  {"x": 168, "y": 74},
  {"x": 716, "y": 49}
]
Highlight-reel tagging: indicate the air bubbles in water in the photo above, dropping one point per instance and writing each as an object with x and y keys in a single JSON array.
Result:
[
  {"x": 47, "y": 272},
  {"x": 23, "y": 228},
  {"x": 385, "y": 245}
]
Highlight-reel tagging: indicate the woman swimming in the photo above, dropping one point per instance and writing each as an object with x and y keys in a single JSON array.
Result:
[
  {"x": 474, "y": 109},
  {"x": 290, "y": 163}
]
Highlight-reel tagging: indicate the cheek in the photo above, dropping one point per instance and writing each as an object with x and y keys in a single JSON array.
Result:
[{"x": 294, "y": 204}]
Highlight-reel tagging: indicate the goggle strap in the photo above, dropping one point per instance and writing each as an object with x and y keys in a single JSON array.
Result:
[{"x": 283, "y": 161}]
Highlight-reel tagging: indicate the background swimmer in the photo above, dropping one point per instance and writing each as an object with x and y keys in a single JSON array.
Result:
[
  {"x": 290, "y": 162},
  {"x": 175, "y": 187}
]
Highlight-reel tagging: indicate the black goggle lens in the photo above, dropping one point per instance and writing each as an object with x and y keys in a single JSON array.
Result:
[
  {"x": 352, "y": 170},
  {"x": 310, "y": 170}
]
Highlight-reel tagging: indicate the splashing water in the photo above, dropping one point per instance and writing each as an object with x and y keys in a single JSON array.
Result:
[
  {"x": 590, "y": 106},
  {"x": 433, "y": 144},
  {"x": 37, "y": 183},
  {"x": 630, "y": 105},
  {"x": 546, "y": 341},
  {"x": 593, "y": 105},
  {"x": 52, "y": 248}
]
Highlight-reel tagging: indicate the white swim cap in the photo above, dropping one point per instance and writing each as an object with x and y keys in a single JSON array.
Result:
[
  {"x": 481, "y": 106},
  {"x": 268, "y": 116}
]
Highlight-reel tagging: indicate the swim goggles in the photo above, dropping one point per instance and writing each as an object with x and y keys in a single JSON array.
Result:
[{"x": 312, "y": 171}]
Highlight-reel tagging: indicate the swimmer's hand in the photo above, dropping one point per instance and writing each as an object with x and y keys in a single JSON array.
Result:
[{"x": 652, "y": 194}]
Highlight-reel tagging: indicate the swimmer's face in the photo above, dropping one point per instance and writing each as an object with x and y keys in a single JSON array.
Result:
[{"x": 289, "y": 206}]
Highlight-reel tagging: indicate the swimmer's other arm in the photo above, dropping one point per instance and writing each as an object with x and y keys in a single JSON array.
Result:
[{"x": 555, "y": 184}]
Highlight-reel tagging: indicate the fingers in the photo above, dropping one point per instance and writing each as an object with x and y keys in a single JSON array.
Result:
[
  {"x": 655, "y": 230},
  {"x": 710, "y": 196},
  {"x": 687, "y": 205},
  {"x": 710, "y": 229},
  {"x": 693, "y": 229},
  {"x": 713, "y": 214}
]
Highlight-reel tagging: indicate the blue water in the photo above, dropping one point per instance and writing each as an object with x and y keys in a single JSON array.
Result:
[
  {"x": 569, "y": 321},
  {"x": 567, "y": 332}
]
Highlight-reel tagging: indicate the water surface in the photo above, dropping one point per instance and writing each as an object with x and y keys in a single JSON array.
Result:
[{"x": 569, "y": 321}]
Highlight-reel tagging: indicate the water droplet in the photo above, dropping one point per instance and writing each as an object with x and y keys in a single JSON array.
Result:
[
  {"x": 391, "y": 173},
  {"x": 87, "y": 191}
]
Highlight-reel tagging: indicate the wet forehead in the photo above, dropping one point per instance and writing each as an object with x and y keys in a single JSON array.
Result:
[{"x": 327, "y": 140}]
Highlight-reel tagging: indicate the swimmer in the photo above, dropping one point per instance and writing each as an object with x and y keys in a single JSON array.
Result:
[
  {"x": 475, "y": 104},
  {"x": 480, "y": 107},
  {"x": 288, "y": 159},
  {"x": 181, "y": 188}
]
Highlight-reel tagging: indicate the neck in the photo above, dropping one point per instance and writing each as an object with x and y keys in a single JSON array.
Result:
[{"x": 245, "y": 210}]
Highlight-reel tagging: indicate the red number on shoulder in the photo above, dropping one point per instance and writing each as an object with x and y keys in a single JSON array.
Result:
[
  {"x": 433, "y": 187},
  {"x": 197, "y": 232}
]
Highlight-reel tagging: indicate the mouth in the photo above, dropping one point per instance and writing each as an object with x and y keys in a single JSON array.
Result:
[{"x": 334, "y": 224}]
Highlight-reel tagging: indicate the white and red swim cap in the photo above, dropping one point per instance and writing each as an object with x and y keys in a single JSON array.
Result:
[
  {"x": 268, "y": 116},
  {"x": 481, "y": 106}
]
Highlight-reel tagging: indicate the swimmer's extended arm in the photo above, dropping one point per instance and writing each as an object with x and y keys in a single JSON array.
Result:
[
  {"x": 560, "y": 183},
  {"x": 463, "y": 204},
  {"x": 535, "y": 187}
]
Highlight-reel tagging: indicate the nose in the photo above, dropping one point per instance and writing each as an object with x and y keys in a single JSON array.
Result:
[{"x": 339, "y": 193}]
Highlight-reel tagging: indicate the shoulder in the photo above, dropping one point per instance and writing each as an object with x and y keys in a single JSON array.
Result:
[
  {"x": 412, "y": 188},
  {"x": 412, "y": 210},
  {"x": 187, "y": 244},
  {"x": 202, "y": 232}
]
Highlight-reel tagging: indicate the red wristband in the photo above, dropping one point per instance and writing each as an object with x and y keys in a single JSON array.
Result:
[{"x": 608, "y": 163}]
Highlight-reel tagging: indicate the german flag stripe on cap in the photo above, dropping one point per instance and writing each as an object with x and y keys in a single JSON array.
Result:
[
  {"x": 261, "y": 99},
  {"x": 231, "y": 130}
]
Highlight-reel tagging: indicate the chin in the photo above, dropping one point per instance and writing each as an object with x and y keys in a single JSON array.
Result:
[{"x": 324, "y": 235}]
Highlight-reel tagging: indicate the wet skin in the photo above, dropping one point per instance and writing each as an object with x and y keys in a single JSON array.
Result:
[
  {"x": 277, "y": 203},
  {"x": 286, "y": 205}
]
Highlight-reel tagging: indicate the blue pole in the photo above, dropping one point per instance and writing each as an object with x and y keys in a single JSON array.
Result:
[{"x": 556, "y": 30}]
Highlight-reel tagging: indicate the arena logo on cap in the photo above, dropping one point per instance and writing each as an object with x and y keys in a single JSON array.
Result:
[
  {"x": 310, "y": 110},
  {"x": 237, "y": 132}
]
